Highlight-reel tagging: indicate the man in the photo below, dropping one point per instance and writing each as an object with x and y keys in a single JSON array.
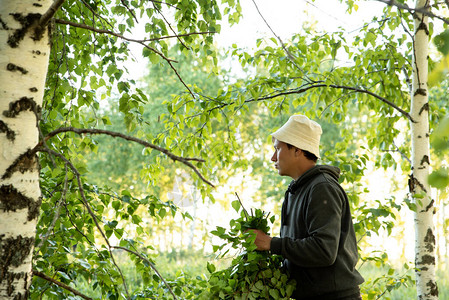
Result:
[{"x": 317, "y": 237}]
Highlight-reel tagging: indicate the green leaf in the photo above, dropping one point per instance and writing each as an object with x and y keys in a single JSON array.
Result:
[
  {"x": 210, "y": 267},
  {"x": 236, "y": 205},
  {"x": 274, "y": 293}
]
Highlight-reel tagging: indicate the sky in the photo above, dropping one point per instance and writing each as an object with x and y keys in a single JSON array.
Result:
[{"x": 285, "y": 17}]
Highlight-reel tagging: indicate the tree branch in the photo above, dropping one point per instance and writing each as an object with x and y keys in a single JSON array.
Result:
[
  {"x": 151, "y": 265},
  {"x": 323, "y": 85},
  {"x": 63, "y": 285},
  {"x": 141, "y": 42},
  {"x": 421, "y": 10},
  {"x": 169, "y": 25},
  {"x": 129, "y": 10},
  {"x": 101, "y": 18},
  {"x": 104, "y": 31},
  {"x": 45, "y": 18},
  {"x": 178, "y": 36},
  {"x": 185, "y": 161},
  {"x": 162, "y": 2}
]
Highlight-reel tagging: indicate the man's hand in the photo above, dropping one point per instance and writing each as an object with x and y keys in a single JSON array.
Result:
[{"x": 262, "y": 241}]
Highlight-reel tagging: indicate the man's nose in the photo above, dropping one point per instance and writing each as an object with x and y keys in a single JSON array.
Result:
[{"x": 274, "y": 158}]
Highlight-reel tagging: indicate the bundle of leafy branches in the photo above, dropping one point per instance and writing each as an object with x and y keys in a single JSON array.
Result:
[{"x": 253, "y": 274}]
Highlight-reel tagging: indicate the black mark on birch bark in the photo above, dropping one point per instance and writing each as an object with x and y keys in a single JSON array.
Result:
[
  {"x": 421, "y": 92},
  {"x": 33, "y": 89},
  {"x": 433, "y": 288},
  {"x": 10, "y": 134},
  {"x": 430, "y": 206},
  {"x": 13, "y": 251},
  {"x": 37, "y": 4},
  {"x": 426, "y": 260},
  {"x": 11, "y": 200},
  {"x": 18, "y": 106},
  {"x": 28, "y": 22},
  {"x": 423, "y": 26},
  {"x": 413, "y": 183},
  {"x": 12, "y": 67},
  {"x": 425, "y": 159},
  {"x": 425, "y": 107},
  {"x": 26, "y": 162},
  {"x": 429, "y": 240},
  {"x": 5, "y": 27}
]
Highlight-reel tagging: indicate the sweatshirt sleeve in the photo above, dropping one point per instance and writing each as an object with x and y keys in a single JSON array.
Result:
[{"x": 323, "y": 227}]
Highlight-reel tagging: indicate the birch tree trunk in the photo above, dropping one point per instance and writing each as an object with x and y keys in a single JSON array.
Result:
[
  {"x": 424, "y": 228},
  {"x": 24, "y": 52}
]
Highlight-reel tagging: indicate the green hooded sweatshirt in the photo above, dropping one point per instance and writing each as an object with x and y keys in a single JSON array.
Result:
[{"x": 317, "y": 237}]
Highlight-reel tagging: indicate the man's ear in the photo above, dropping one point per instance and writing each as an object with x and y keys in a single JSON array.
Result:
[{"x": 298, "y": 152}]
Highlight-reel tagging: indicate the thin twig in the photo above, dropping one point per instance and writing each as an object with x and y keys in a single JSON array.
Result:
[
  {"x": 130, "y": 10},
  {"x": 151, "y": 265},
  {"x": 169, "y": 25},
  {"x": 101, "y": 18},
  {"x": 168, "y": 4},
  {"x": 289, "y": 54},
  {"x": 241, "y": 204},
  {"x": 185, "y": 161},
  {"x": 63, "y": 285},
  {"x": 400, "y": 152},
  {"x": 178, "y": 36}
]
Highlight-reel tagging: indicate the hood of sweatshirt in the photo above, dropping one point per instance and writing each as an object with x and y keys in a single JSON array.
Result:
[{"x": 311, "y": 173}]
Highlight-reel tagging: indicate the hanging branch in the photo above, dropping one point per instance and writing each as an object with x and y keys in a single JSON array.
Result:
[
  {"x": 169, "y": 25},
  {"x": 63, "y": 285},
  {"x": 129, "y": 10},
  {"x": 151, "y": 265},
  {"x": 89, "y": 209},
  {"x": 57, "y": 212},
  {"x": 101, "y": 18},
  {"x": 241, "y": 204},
  {"x": 162, "y": 2},
  {"x": 184, "y": 160}
]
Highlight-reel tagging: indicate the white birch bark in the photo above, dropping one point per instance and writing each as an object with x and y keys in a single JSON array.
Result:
[
  {"x": 24, "y": 52},
  {"x": 419, "y": 188}
]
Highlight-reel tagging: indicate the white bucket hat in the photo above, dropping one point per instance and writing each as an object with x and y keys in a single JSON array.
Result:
[{"x": 301, "y": 132}]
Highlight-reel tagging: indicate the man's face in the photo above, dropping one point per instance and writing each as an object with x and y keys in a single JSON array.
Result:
[{"x": 284, "y": 158}]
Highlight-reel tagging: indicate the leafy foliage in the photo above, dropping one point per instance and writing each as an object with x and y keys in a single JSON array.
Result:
[
  {"x": 253, "y": 274},
  {"x": 358, "y": 89}
]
